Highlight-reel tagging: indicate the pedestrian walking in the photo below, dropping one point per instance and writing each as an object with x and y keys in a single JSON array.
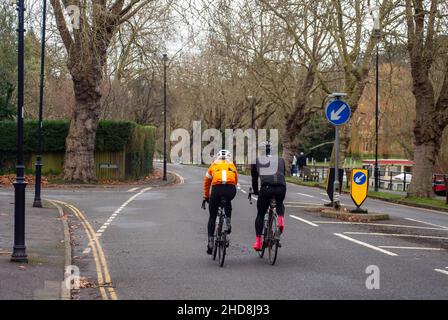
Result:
[
  {"x": 301, "y": 163},
  {"x": 294, "y": 166}
]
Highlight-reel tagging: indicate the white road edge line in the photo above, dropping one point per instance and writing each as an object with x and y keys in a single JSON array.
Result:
[
  {"x": 427, "y": 223},
  {"x": 133, "y": 189},
  {"x": 366, "y": 245},
  {"x": 441, "y": 271},
  {"x": 305, "y": 221},
  {"x": 305, "y": 195}
]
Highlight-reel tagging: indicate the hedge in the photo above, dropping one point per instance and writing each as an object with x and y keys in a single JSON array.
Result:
[
  {"x": 140, "y": 151},
  {"x": 111, "y": 136}
]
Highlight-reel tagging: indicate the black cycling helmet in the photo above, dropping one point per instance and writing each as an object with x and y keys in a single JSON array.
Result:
[{"x": 266, "y": 145}]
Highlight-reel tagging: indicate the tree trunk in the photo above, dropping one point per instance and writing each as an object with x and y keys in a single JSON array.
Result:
[
  {"x": 79, "y": 163},
  {"x": 290, "y": 144},
  {"x": 422, "y": 174}
]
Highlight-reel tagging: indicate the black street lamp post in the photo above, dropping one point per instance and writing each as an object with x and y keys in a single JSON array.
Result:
[
  {"x": 37, "y": 199},
  {"x": 165, "y": 59},
  {"x": 377, "y": 36},
  {"x": 19, "y": 250},
  {"x": 377, "y": 120}
]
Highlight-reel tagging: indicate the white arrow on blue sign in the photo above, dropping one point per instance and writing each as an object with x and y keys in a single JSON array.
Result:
[
  {"x": 338, "y": 112},
  {"x": 360, "y": 178}
]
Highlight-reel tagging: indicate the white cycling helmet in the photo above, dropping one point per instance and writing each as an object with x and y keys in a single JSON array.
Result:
[{"x": 224, "y": 155}]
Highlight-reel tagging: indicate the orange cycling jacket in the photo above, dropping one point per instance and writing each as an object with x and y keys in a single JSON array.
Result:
[{"x": 220, "y": 172}]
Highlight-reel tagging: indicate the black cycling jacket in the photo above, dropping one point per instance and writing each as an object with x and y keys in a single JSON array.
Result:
[{"x": 270, "y": 170}]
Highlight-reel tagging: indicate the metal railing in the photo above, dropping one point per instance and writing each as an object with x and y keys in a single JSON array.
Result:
[{"x": 387, "y": 179}]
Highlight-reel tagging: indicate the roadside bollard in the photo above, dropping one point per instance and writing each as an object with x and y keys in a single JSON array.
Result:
[{"x": 446, "y": 188}]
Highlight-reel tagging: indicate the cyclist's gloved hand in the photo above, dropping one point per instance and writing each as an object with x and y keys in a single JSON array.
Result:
[{"x": 206, "y": 200}]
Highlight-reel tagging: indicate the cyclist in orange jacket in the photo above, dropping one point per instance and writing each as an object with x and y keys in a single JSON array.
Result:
[{"x": 223, "y": 177}]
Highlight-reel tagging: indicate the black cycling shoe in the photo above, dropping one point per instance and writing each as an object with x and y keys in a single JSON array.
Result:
[{"x": 210, "y": 245}]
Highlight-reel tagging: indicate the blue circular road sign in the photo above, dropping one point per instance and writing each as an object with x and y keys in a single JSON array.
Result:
[
  {"x": 338, "y": 112},
  {"x": 360, "y": 178}
]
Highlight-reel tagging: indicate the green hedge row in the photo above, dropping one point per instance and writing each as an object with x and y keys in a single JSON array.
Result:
[
  {"x": 140, "y": 152},
  {"x": 111, "y": 135}
]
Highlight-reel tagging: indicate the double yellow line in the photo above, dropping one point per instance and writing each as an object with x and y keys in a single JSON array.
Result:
[{"x": 102, "y": 270}]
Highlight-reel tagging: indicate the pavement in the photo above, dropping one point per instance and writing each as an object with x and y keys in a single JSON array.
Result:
[
  {"x": 143, "y": 242},
  {"x": 42, "y": 277}
]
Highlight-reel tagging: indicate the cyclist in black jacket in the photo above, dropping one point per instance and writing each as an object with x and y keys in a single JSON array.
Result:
[{"x": 271, "y": 171}]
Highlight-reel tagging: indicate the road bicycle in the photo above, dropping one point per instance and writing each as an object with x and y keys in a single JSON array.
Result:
[
  {"x": 221, "y": 237},
  {"x": 271, "y": 234}
]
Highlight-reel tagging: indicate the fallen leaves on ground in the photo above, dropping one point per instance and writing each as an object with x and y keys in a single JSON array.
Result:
[
  {"x": 85, "y": 283},
  {"x": 8, "y": 179}
]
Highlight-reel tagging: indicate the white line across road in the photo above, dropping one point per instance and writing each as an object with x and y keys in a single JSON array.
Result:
[
  {"x": 377, "y": 234},
  {"x": 412, "y": 248},
  {"x": 441, "y": 271},
  {"x": 427, "y": 223},
  {"x": 305, "y": 221},
  {"x": 366, "y": 245},
  {"x": 379, "y": 225},
  {"x": 305, "y": 195}
]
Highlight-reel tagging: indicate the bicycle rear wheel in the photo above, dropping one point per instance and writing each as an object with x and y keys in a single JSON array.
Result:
[
  {"x": 222, "y": 246},
  {"x": 263, "y": 247},
  {"x": 217, "y": 239},
  {"x": 272, "y": 243}
]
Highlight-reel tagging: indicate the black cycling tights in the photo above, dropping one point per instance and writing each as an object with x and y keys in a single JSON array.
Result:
[
  {"x": 264, "y": 199},
  {"x": 221, "y": 190}
]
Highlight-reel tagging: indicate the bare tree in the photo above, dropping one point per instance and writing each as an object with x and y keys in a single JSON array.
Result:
[
  {"x": 428, "y": 54},
  {"x": 87, "y": 44}
]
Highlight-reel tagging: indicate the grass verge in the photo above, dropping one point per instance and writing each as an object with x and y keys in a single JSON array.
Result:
[{"x": 427, "y": 203}]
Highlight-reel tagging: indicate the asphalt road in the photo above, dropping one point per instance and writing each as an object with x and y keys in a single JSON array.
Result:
[{"x": 155, "y": 247}]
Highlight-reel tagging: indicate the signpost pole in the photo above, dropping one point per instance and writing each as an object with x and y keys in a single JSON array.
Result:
[
  {"x": 336, "y": 188},
  {"x": 338, "y": 113}
]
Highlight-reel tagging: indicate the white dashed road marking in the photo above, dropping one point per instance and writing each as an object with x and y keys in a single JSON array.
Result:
[
  {"x": 366, "y": 245},
  {"x": 305, "y": 195},
  {"x": 109, "y": 221},
  {"x": 305, "y": 221},
  {"x": 427, "y": 223},
  {"x": 133, "y": 189}
]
